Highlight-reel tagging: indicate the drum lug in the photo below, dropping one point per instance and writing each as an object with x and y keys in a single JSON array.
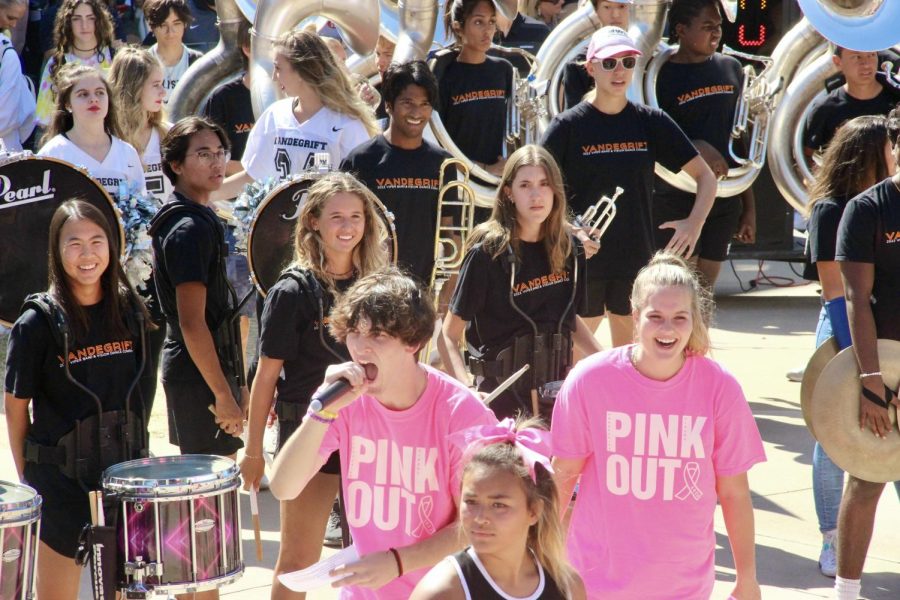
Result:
[{"x": 137, "y": 571}]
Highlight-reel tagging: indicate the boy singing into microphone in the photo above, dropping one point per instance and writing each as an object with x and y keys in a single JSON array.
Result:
[{"x": 399, "y": 472}]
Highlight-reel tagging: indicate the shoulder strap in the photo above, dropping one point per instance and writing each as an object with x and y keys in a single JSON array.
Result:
[
  {"x": 311, "y": 286},
  {"x": 56, "y": 318},
  {"x": 179, "y": 206}
]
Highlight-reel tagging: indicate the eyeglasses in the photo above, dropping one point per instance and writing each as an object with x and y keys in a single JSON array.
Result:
[
  {"x": 610, "y": 64},
  {"x": 211, "y": 158}
]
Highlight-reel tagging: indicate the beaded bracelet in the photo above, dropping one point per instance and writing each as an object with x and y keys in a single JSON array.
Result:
[{"x": 872, "y": 374}]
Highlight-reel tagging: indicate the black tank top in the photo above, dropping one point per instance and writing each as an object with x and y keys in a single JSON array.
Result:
[{"x": 478, "y": 585}]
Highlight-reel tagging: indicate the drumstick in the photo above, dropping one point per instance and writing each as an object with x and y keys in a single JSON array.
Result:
[
  {"x": 534, "y": 403},
  {"x": 212, "y": 409},
  {"x": 505, "y": 385},
  {"x": 254, "y": 512},
  {"x": 92, "y": 499},
  {"x": 101, "y": 516}
]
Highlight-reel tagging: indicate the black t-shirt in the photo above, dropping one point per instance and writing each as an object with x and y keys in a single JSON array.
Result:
[
  {"x": 482, "y": 296},
  {"x": 838, "y": 107},
  {"x": 188, "y": 247},
  {"x": 598, "y": 152},
  {"x": 473, "y": 100},
  {"x": 407, "y": 183},
  {"x": 290, "y": 331},
  {"x": 576, "y": 81},
  {"x": 527, "y": 34},
  {"x": 823, "y": 227},
  {"x": 870, "y": 233},
  {"x": 102, "y": 362},
  {"x": 230, "y": 106}
]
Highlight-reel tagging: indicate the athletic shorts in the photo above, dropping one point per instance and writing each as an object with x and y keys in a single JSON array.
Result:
[
  {"x": 192, "y": 426},
  {"x": 65, "y": 509},
  {"x": 717, "y": 232},
  {"x": 613, "y": 295},
  {"x": 285, "y": 428}
]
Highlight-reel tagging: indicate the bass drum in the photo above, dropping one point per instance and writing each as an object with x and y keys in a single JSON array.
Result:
[
  {"x": 31, "y": 189},
  {"x": 270, "y": 241}
]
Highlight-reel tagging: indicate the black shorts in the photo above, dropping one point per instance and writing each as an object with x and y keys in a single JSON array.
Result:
[
  {"x": 65, "y": 508},
  {"x": 286, "y": 427},
  {"x": 717, "y": 232},
  {"x": 613, "y": 295},
  {"x": 192, "y": 427}
]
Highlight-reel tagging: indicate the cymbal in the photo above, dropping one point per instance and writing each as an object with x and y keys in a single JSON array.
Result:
[
  {"x": 821, "y": 357},
  {"x": 835, "y": 417}
]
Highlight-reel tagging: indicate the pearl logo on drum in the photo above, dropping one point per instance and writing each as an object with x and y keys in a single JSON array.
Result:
[
  {"x": 204, "y": 525},
  {"x": 12, "y": 555},
  {"x": 25, "y": 195}
]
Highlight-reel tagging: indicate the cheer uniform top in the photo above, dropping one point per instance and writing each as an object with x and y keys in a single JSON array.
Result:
[
  {"x": 472, "y": 102},
  {"x": 279, "y": 146},
  {"x": 155, "y": 180},
  {"x": 103, "y": 362},
  {"x": 598, "y": 152},
  {"x": 120, "y": 167},
  {"x": 478, "y": 584},
  {"x": 407, "y": 182},
  {"x": 172, "y": 75}
]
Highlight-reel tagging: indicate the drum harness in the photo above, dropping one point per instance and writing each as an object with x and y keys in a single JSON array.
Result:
[
  {"x": 549, "y": 354},
  {"x": 100, "y": 440},
  {"x": 226, "y": 334}
]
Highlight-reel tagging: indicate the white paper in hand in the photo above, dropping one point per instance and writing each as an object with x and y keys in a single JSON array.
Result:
[{"x": 316, "y": 576}]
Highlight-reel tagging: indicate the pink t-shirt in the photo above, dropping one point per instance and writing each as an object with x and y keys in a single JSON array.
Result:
[
  {"x": 643, "y": 523},
  {"x": 400, "y": 475}
]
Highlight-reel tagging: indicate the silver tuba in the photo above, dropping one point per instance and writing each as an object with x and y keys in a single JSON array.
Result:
[
  {"x": 220, "y": 64},
  {"x": 357, "y": 19},
  {"x": 802, "y": 57}
]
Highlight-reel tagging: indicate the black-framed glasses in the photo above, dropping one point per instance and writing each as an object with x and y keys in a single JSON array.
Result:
[{"x": 610, "y": 64}]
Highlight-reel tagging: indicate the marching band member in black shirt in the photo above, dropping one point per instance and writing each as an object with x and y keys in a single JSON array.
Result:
[
  {"x": 474, "y": 88},
  {"x": 870, "y": 268},
  {"x": 403, "y": 169},
  {"x": 523, "y": 32},
  {"x": 200, "y": 364},
  {"x": 700, "y": 88},
  {"x": 89, "y": 290},
  {"x": 610, "y": 142},
  {"x": 523, "y": 274},
  {"x": 337, "y": 240}
]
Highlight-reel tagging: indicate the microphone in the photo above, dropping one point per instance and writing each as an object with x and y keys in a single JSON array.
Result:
[{"x": 336, "y": 389}]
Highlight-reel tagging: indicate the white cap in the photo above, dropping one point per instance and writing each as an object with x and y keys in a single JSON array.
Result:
[{"x": 610, "y": 41}]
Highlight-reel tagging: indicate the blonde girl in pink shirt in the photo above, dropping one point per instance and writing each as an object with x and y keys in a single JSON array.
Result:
[{"x": 658, "y": 434}]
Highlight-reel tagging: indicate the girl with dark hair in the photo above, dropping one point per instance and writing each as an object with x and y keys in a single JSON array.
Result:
[
  {"x": 858, "y": 157},
  {"x": 509, "y": 514},
  {"x": 474, "y": 88},
  {"x": 338, "y": 239},
  {"x": 520, "y": 289},
  {"x": 85, "y": 132},
  {"x": 658, "y": 434},
  {"x": 321, "y": 113},
  {"x": 101, "y": 353},
  {"x": 82, "y": 34}
]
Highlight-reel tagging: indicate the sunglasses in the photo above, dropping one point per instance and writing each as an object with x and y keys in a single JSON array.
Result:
[{"x": 610, "y": 64}]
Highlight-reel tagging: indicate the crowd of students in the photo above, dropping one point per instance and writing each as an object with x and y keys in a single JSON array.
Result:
[{"x": 657, "y": 432}]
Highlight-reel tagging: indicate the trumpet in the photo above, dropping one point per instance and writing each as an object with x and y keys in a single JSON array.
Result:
[
  {"x": 450, "y": 239},
  {"x": 597, "y": 218}
]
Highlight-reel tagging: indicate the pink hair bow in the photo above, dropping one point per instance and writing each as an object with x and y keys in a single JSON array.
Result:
[{"x": 533, "y": 444}]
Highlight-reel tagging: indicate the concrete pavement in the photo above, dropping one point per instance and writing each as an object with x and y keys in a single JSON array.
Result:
[{"x": 758, "y": 336}]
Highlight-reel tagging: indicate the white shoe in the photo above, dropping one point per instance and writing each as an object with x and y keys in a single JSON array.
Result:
[
  {"x": 828, "y": 556},
  {"x": 796, "y": 374}
]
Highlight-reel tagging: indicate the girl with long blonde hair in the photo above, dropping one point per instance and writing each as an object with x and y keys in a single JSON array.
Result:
[
  {"x": 520, "y": 288},
  {"x": 338, "y": 239},
  {"x": 658, "y": 434},
  {"x": 136, "y": 79},
  {"x": 321, "y": 113},
  {"x": 509, "y": 515}
]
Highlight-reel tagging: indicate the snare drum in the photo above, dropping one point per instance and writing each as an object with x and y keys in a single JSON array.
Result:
[
  {"x": 31, "y": 189},
  {"x": 20, "y": 525},
  {"x": 270, "y": 241},
  {"x": 181, "y": 516}
]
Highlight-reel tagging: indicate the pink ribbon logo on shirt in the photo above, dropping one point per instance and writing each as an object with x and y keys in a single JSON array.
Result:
[
  {"x": 691, "y": 475},
  {"x": 426, "y": 505}
]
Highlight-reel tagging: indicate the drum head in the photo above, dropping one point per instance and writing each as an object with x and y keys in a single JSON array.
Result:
[
  {"x": 821, "y": 357},
  {"x": 835, "y": 417},
  {"x": 18, "y": 503},
  {"x": 270, "y": 242},
  {"x": 31, "y": 188},
  {"x": 170, "y": 475}
]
